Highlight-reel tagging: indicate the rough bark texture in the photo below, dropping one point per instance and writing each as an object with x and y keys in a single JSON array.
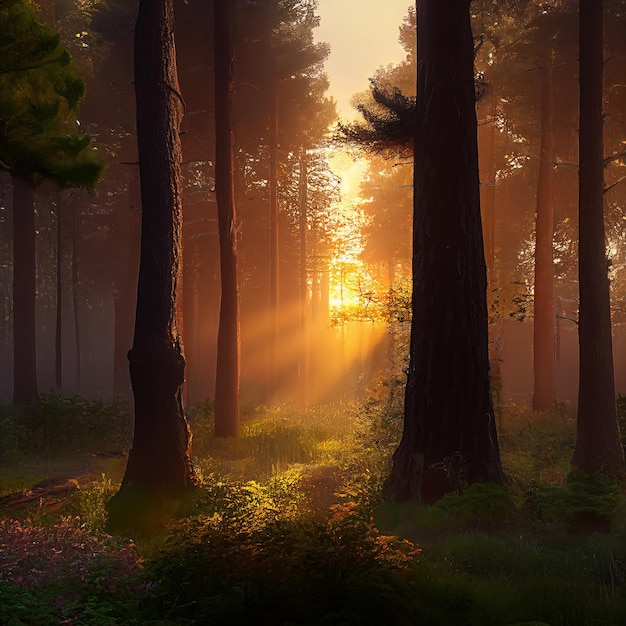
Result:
[
  {"x": 227, "y": 373},
  {"x": 24, "y": 290},
  {"x": 598, "y": 445},
  {"x": 159, "y": 465},
  {"x": 449, "y": 432},
  {"x": 543, "y": 328}
]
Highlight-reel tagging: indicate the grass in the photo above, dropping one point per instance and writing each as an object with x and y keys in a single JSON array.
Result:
[{"x": 288, "y": 527}]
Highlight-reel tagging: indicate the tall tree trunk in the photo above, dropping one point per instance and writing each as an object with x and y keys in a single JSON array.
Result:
[
  {"x": 449, "y": 433},
  {"x": 159, "y": 466},
  {"x": 75, "y": 300},
  {"x": 58, "y": 335},
  {"x": 227, "y": 372},
  {"x": 302, "y": 226},
  {"x": 598, "y": 445},
  {"x": 543, "y": 327},
  {"x": 274, "y": 249},
  {"x": 24, "y": 290}
]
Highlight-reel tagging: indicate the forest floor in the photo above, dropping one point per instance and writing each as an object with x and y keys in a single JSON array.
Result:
[
  {"x": 289, "y": 527},
  {"x": 47, "y": 481}
]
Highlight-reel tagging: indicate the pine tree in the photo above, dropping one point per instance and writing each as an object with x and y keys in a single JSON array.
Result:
[{"x": 40, "y": 138}]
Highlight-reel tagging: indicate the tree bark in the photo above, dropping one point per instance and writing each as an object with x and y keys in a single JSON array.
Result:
[
  {"x": 449, "y": 436},
  {"x": 598, "y": 445},
  {"x": 227, "y": 372},
  {"x": 543, "y": 326},
  {"x": 24, "y": 290},
  {"x": 159, "y": 466}
]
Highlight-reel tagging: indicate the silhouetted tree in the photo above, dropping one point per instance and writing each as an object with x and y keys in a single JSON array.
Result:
[
  {"x": 598, "y": 445},
  {"x": 40, "y": 93},
  {"x": 449, "y": 433},
  {"x": 159, "y": 467}
]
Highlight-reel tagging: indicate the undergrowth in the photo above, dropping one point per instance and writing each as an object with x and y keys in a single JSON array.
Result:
[{"x": 288, "y": 526}]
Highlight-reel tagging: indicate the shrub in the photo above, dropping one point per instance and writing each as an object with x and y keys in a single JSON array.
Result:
[
  {"x": 56, "y": 425},
  {"x": 586, "y": 503},
  {"x": 484, "y": 507}
]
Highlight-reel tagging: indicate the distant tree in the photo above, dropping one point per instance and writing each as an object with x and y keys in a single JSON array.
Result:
[
  {"x": 544, "y": 314},
  {"x": 598, "y": 444},
  {"x": 40, "y": 93},
  {"x": 227, "y": 375},
  {"x": 159, "y": 468},
  {"x": 449, "y": 433}
]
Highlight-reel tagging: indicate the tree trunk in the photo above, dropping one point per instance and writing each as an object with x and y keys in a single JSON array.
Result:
[
  {"x": 159, "y": 466},
  {"x": 302, "y": 225},
  {"x": 227, "y": 372},
  {"x": 24, "y": 290},
  {"x": 598, "y": 445},
  {"x": 274, "y": 250},
  {"x": 75, "y": 300},
  {"x": 58, "y": 335},
  {"x": 449, "y": 436},
  {"x": 543, "y": 327}
]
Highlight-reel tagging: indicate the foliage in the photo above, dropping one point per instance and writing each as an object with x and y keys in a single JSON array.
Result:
[
  {"x": 40, "y": 92},
  {"x": 585, "y": 503},
  {"x": 222, "y": 568},
  {"x": 389, "y": 124},
  {"x": 313, "y": 543},
  {"x": 56, "y": 425},
  {"x": 272, "y": 438},
  {"x": 536, "y": 446},
  {"x": 89, "y": 503}
]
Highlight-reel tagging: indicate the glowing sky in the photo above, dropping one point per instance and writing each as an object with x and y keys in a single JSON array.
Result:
[{"x": 363, "y": 35}]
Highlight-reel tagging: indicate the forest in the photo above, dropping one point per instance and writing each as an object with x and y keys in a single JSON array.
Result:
[{"x": 265, "y": 363}]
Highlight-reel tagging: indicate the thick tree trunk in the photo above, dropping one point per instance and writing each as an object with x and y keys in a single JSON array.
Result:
[
  {"x": 24, "y": 290},
  {"x": 449, "y": 433},
  {"x": 543, "y": 327},
  {"x": 227, "y": 373},
  {"x": 598, "y": 445},
  {"x": 159, "y": 466}
]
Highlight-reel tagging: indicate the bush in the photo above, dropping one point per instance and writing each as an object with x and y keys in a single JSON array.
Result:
[
  {"x": 273, "y": 570},
  {"x": 586, "y": 503},
  {"x": 56, "y": 425},
  {"x": 484, "y": 507}
]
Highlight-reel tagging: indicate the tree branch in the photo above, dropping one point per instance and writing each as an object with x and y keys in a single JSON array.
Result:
[
  {"x": 617, "y": 182},
  {"x": 4, "y": 70},
  {"x": 614, "y": 157}
]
